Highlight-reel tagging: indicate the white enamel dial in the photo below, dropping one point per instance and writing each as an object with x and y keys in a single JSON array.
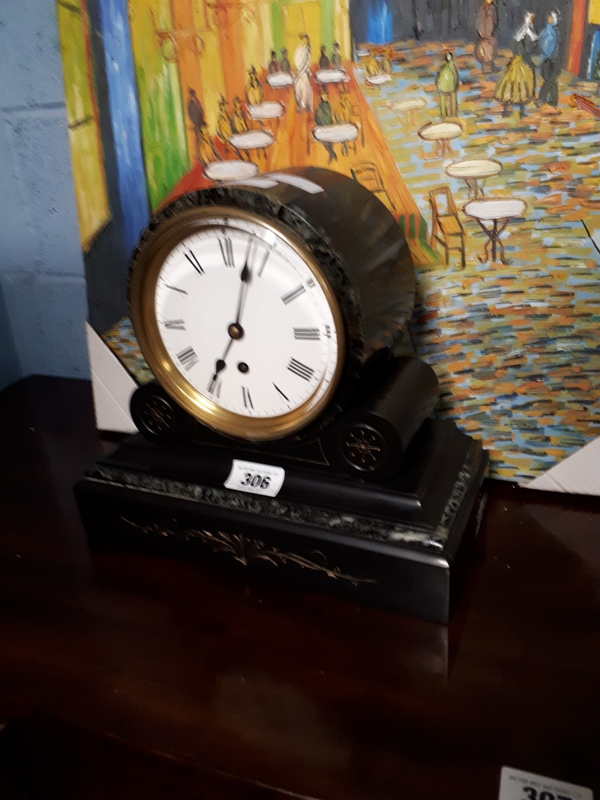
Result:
[{"x": 250, "y": 331}]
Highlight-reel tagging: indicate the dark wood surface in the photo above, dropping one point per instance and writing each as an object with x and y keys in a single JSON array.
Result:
[{"x": 128, "y": 675}]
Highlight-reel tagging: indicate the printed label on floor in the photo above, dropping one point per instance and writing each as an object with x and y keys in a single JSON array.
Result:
[{"x": 518, "y": 785}]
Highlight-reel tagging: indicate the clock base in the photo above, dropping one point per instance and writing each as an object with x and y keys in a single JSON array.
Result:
[{"x": 398, "y": 544}]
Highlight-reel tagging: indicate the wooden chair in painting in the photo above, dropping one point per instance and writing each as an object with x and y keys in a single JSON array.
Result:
[
  {"x": 367, "y": 174},
  {"x": 358, "y": 120},
  {"x": 446, "y": 227}
]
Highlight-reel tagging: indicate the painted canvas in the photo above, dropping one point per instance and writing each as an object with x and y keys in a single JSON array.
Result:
[{"x": 476, "y": 122}]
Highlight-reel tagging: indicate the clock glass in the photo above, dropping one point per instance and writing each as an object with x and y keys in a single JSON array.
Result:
[{"x": 238, "y": 323}]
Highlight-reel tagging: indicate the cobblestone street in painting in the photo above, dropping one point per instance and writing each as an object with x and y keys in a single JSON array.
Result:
[{"x": 516, "y": 346}]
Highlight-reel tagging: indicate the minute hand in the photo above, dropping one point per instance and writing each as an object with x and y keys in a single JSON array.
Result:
[
  {"x": 235, "y": 330},
  {"x": 245, "y": 278}
]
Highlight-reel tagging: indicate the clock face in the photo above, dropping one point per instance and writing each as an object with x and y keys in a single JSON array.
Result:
[{"x": 238, "y": 323}]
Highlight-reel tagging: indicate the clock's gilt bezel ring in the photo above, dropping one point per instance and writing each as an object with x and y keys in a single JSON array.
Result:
[{"x": 144, "y": 274}]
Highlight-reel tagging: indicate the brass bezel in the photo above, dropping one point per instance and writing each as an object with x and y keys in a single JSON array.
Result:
[{"x": 144, "y": 276}]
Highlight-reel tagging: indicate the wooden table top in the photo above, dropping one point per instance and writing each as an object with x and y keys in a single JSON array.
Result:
[
  {"x": 270, "y": 109},
  {"x": 333, "y": 75},
  {"x": 129, "y": 675},
  {"x": 494, "y": 208},
  {"x": 342, "y": 132},
  {"x": 473, "y": 168},
  {"x": 410, "y": 104},
  {"x": 249, "y": 140},
  {"x": 230, "y": 169},
  {"x": 440, "y": 131}
]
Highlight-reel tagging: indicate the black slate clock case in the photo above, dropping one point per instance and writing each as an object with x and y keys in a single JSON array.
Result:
[
  {"x": 355, "y": 241},
  {"x": 380, "y": 499}
]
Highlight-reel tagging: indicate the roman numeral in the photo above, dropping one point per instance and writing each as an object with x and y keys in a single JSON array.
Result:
[
  {"x": 246, "y": 397},
  {"x": 227, "y": 251},
  {"x": 176, "y": 289},
  {"x": 191, "y": 257},
  {"x": 285, "y": 397},
  {"x": 287, "y": 298},
  {"x": 300, "y": 369},
  {"x": 188, "y": 358},
  {"x": 265, "y": 259},
  {"x": 215, "y": 386},
  {"x": 175, "y": 324},
  {"x": 251, "y": 251},
  {"x": 307, "y": 333}
]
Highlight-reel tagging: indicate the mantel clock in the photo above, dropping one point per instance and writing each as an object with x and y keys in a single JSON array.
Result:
[{"x": 274, "y": 315}]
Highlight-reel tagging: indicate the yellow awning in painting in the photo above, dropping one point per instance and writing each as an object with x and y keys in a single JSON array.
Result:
[{"x": 594, "y": 12}]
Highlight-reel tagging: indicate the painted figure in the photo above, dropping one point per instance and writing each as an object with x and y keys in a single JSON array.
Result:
[
  {"x": 285, "y": 62},
  {"x": 238, "y": 118},
  {"x": 486, "y": 24},
  {"x": 343, "y": 113},
  {"x": 207, "y": 152},
  {"x": 386, "y": 61},
  {"x": 195, "y": 114},
  {"x": 549, "y": 48},
  {"x": 447, "y": 83},
  {"x": 372, "y": 66},
  {"x": 324, "y": 62},
  {"x": 517, "y": 84},
  {"x": 324, "y": 116},
  {"x": 224, "y": 124},
  {"x": 273, "y": 63},
  {"x": 254, "y": 91},
  {"x": 336, "y": 56},
  {"x": 302, "y": 88}
]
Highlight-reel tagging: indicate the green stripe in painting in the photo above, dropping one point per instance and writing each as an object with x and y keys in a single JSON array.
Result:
[
  {"x": 401, "y": 222},
  {"x": 327, "y": 24},
  {"x": 163, "y": 133},
  {"x": 161, "y": 108},
  {"x": 277, "y": 26},
  {"x": 412, "y": 227}
]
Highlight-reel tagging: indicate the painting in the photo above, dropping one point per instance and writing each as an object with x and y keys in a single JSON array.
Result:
[{"x": 476, "y": 122}]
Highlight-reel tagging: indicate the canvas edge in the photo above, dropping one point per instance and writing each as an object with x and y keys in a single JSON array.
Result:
[
  {"x": 112, "y": 386},
  {"x": 577, "y": 474}
]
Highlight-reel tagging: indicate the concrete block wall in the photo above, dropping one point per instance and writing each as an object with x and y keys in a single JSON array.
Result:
[{"x": 42, "y": 285}]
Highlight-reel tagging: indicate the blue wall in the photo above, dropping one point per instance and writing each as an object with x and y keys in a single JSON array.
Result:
[{"x": 42, "y": 286}]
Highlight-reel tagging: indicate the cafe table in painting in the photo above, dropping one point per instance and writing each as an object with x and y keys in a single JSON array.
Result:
[
  {"x": 336, "y": 134},
  {"x": 280, "y": 80},
  {"x": 232, "y": 169},
  {"x": 268, "y": 110},
  {"x": 378, "y": 80},
  {"x": 498, "y": 211},
  {"x": 251, "y": 140},
  {"x": 408, "y": 110},
  {"x": 325, "y": 76},
  {"x": 441, "y": 133},
  {"x": 474, "y": 172}
]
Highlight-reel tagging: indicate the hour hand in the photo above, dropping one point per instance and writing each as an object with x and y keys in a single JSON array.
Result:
[
  {"x": 215, "y": 381},
  {"x": 250, "y": 254}
]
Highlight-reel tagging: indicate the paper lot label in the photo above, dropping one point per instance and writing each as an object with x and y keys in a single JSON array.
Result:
[
  {"x": 518, "y": 785},
  {"x": 247, "y": 476}
]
